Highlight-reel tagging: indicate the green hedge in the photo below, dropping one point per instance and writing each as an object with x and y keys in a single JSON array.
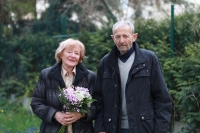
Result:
[{"x": 23, "y": 57}]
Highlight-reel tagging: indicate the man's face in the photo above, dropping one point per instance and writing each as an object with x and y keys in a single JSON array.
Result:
[{"x": 123, "y": 38}]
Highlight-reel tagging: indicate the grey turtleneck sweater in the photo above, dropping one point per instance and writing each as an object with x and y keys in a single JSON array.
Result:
[{"x": 124, "y": 68}]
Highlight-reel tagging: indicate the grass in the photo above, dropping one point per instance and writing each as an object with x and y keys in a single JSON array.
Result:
[
  {"x": 15, "y": 119},
  {"x": 19, "y": 122}
]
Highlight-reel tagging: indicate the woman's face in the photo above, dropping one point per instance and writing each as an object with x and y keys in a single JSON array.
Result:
[{"x": 70, "y": 57}]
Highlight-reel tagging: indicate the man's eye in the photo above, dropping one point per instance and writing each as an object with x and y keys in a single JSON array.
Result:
[
  {"x": 125, "y": 36},
  {"x": 117, "y": 37}
]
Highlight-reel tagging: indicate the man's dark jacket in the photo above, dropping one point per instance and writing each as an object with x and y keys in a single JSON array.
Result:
[
  {"x": 147, "y": 99},
  {"x": 45, "y": 102}
]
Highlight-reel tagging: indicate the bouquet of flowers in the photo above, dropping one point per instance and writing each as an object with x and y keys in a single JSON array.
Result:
[{"x": 75, "y": 99}]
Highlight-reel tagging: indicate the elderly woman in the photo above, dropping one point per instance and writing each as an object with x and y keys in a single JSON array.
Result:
[{"x": 67, "y": 71}]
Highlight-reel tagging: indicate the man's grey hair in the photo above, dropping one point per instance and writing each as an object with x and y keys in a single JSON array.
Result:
[{"x": 122, "y": 23}]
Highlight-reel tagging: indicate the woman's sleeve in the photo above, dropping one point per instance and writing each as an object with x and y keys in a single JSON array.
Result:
[{"x": 38, "y": 103}]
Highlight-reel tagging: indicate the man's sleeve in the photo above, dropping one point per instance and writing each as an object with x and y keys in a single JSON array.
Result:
[
  {"x": 97, "y": 94},
  {"x": 161, "y": 99}
]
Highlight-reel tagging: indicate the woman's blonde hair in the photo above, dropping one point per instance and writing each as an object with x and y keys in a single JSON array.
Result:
[{"x": 69, "y": 43}]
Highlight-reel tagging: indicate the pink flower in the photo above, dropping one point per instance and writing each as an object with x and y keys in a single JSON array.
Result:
[
  {"x": 75, "y": 99},
  {"x": 70, "y": 90}
]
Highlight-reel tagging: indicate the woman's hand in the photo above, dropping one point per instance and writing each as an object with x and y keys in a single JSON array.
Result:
[
  {"x": 73, "y": 116},
  {"x": 61, "y": 118},
  {"x": 67, "y": 117}
]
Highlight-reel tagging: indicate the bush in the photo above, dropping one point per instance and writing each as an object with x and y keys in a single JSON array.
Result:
[{"x": 16, "y": 119}]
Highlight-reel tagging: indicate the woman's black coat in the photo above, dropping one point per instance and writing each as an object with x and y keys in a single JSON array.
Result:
[{"x": 45, "y": 102}]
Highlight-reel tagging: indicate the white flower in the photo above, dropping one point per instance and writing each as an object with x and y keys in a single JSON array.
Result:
[
  {"x": 89, "y": 104},
  {"x": 80, "y": 95}
]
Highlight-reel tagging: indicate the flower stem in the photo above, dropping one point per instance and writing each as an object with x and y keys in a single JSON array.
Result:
[{"x": 62, "y": 129}]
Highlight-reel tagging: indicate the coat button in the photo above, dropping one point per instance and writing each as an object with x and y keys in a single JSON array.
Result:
[
  {"x": 142, "y": 118},
  {"x": 143, "y": 64},
  {"x": 109, "y": 119}
]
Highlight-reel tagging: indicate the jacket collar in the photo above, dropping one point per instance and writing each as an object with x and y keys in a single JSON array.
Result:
[
  {"x": 113, "y": 56},
  {"x": 138, "y": 55},
  {"x": 81, "y": 72},
  {"x": 55, "y": 73}
]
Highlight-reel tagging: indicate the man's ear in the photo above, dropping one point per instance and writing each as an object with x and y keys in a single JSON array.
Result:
[
  {"x": 135, "y": 35},
  {"x": 112, "y": 36}
]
